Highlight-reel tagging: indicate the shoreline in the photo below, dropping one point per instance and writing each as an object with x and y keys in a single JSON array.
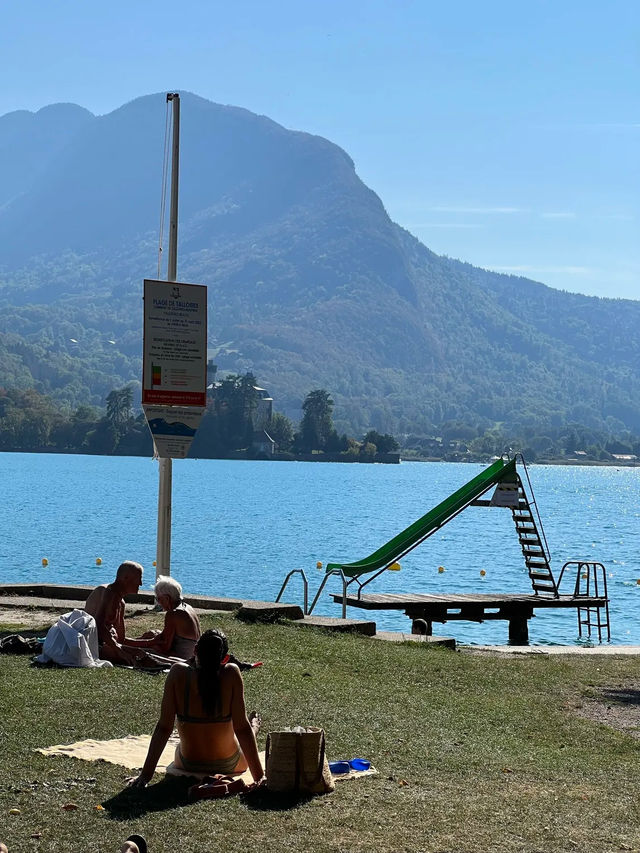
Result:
[
  {"x": 380, "y": 459},
  {"x": 31, "y": 604}
]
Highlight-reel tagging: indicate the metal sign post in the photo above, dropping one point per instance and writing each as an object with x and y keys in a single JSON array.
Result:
[{"x": 174, "y": 362}]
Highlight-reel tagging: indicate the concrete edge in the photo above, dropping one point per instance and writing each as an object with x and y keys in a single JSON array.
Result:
[{"x": 63, "y": 592}]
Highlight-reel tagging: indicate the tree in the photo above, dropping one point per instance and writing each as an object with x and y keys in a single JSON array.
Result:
[
  {"x": 316, "y": 425},
  {"x": 119, "y": 406},
  {"x": 367, "y": 451},
  {"x": 230, "y": 418},
  {"x": 281, "y": 431},
  {"x": 103, "y": 440},
  {"x": 384, "y": 443}
]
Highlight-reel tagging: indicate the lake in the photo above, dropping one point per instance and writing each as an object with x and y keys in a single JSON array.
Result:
[{"x": 240, "y": 526}]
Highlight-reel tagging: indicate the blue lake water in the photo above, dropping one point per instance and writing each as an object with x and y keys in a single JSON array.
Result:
[{"x": 240, "y": 526}]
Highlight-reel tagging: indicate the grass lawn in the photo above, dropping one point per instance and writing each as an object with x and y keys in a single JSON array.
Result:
[{"x": 474, "y": 753}]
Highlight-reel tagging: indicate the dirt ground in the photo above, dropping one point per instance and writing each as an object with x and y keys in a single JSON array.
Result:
[
  {"x": 617, "y": 707},
  {"x": 32, "y": 621},
  {"x": 27, "y": 617}
]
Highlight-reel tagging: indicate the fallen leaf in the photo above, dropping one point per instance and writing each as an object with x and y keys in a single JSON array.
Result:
[
  {"x": 507, "y": 770},
  {"x": 403, "y": 783},
  {"x": 99, "y": 808},
  {"x": 14, "y": 811},
  {"x": 69, "y": 807}
]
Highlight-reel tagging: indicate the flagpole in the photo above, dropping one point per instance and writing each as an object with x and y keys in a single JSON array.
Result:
[{"x": 165, "y": 469}]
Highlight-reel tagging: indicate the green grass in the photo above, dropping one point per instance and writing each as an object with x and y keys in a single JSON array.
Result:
[{"x": 474, "y": 753}]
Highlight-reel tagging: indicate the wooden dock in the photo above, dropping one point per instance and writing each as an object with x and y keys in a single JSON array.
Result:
[{"x": 471, "y": 607}]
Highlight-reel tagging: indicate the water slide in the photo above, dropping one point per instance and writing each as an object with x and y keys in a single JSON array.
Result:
[{"x": 414, "y": 534}]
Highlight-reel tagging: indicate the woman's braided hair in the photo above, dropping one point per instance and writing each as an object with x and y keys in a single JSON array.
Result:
[{"x": 211, "y": 648}]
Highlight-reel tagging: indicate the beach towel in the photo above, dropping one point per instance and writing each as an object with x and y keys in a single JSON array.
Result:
[{"x": 129, "y": 751}]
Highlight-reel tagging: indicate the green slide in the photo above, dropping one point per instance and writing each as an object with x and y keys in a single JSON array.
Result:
[{"x": 398, "y": 546}]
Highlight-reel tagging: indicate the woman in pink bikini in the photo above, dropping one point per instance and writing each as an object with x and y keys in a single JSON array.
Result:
[{"x": 207, "y": 698}]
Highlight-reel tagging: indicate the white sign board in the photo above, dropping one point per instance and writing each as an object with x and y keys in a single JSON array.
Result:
[
  {"x": 174, "y": 368},
  {"x": 173, "y": 428}
]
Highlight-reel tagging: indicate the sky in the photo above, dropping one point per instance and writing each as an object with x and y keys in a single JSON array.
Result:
[{"x": 505, "y": 134}]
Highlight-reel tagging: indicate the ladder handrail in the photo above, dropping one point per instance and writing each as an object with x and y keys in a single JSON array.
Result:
[
  {"x": 592, "y": 568},
  {"x": 345, "y": 584},
  {"x": 305, "y": 584},
  {"x": 533, "y": 504}
]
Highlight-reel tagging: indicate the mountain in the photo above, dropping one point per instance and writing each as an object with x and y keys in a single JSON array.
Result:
[
  {"x": 310, "y": 283},
  {"x": 30, "y": 141}
]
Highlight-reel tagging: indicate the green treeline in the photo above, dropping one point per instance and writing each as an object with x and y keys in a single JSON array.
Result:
[
  {"x": 238, "y": 418},
  {"x": 457, "y": 441}
]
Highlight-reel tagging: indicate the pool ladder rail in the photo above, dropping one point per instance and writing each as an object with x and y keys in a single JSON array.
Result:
[
  {"x": 591, "y": 582},
  {"x": 306, "y": 608}
]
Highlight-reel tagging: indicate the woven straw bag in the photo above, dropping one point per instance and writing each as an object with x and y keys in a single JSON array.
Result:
[{"x": 296, "y": 762}]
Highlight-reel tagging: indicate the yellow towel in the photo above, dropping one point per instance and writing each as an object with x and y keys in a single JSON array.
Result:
[{"x": 129, "y": 752}]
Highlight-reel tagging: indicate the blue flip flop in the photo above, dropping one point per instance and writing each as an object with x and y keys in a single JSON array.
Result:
[{"x": 338, "y": 768}]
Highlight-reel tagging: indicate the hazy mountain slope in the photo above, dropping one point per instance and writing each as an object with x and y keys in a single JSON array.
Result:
[
  {"x": 310, "y": 284},
  {"x": 30, "y": 141}
]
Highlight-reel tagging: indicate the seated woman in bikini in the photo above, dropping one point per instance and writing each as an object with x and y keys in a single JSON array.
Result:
[
  {"x": 207, "y": 697},
  {"x": 181, "y": 624}
]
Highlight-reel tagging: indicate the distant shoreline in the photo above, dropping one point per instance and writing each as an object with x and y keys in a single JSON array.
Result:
[
  {"x": 379, "y": 459},
  {"x": 579, "y": 463}
]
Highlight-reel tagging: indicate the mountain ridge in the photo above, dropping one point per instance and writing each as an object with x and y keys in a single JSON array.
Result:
[{"x": 310, "y": 284}]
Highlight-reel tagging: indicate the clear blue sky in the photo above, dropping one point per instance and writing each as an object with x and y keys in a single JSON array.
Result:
[{"x": 505, "y": 134}]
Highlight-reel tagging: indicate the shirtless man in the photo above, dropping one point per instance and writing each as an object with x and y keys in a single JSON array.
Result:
[{"x": 106, "y": 605}]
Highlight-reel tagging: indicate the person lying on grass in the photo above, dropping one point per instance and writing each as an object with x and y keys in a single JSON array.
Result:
[
  {"x": 181, "y": 624},
  {"x": 207, "y": 697}
]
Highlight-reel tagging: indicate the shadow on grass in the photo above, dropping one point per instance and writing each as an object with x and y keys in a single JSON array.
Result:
[
  {"x": 136, "y": 802},
  {"x": 621, "y": 696},
  {"x": 174, "y": 793},
  {"x": 264, "y": 800}
]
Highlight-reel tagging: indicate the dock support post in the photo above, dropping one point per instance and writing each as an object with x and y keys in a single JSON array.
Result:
[{"x": 518, "y": 629}]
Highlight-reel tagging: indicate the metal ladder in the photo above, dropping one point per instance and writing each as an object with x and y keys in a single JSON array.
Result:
[
  {"x": 533, "y": 541},
  {"x": 307, "y": 608},
  {"x": 591, "y": 582}
]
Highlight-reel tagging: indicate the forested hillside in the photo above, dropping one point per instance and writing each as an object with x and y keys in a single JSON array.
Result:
[{"x": 310, "y": 283}]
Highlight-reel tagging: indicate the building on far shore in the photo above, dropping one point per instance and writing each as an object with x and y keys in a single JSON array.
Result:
[{"x": 264, "y": 409}]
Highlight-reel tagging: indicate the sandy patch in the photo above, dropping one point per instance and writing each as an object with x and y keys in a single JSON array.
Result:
[
  {"x": 617, "y": 707},
  {"x": 27, "y": 618}
]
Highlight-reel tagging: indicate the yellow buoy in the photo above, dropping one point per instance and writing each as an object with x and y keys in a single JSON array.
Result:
[
  {"x": 318, "y": 565},
  {"x": 154, "y": 563},
  {"x": 441, "y": 569},
  {"x": 394, "y": 567},
  {"x": 482, "y": 573},
  {"x": 98, "y": 561},
  {"x": 45, "y": 562}
]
